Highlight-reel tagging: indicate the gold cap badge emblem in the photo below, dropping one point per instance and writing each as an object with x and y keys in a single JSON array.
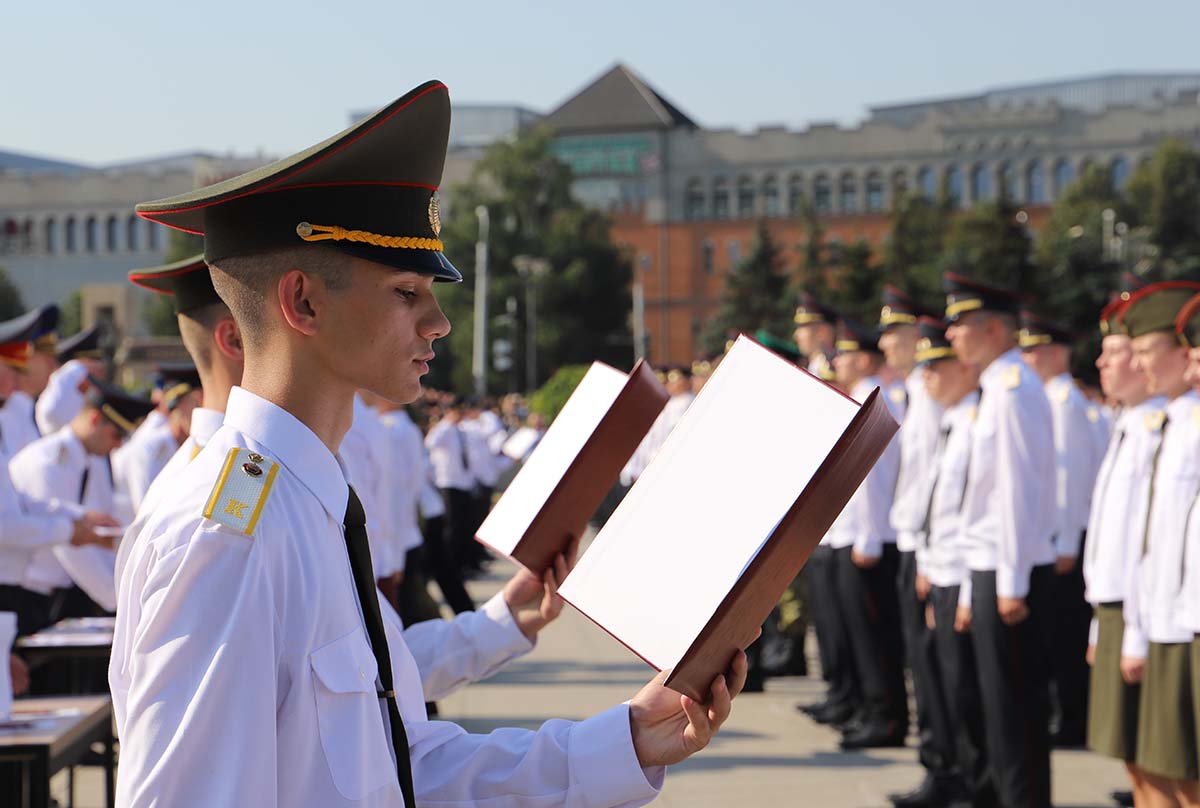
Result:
[{"x": 435, "y": 215}]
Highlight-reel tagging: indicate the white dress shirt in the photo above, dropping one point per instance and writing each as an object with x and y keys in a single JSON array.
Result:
[
  {"x": 1119, "y": 505},
  {"x": 480, "y": 458},
  {"x": 135, "y": 466},
  {"x": 653, "y": 440},
  {"x": 276, "y": 690},
  {"x": 157, "y": 419},
  {"x": 448, "y": 455},
  {"x": 366, "y": 454},
  {"x": 27, "y": 524},
  {"x": 942, "y": 558},
  {"x": 1152, "y": 603},
  {"x": 53, "y": 468},
  {"x": 61, "y": 400},
  {"x": 918, "y": 443},
  {"x": 408, "y": 475},
  {"x": 864, "y": 522},
  {"x": 1077, "y": 455},
  {"x": 18, "y": 423},
  {"x": 1009, "y": 508}
]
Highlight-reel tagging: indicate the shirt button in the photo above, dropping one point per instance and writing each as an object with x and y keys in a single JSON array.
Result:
[{"x": 361, "y": 675}]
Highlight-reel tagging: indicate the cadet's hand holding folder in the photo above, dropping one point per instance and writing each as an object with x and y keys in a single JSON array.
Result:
[{"x": 721, "y": 521}]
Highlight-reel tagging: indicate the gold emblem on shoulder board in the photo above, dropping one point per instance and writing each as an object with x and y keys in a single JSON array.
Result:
[{"x": 435, "y": 215}]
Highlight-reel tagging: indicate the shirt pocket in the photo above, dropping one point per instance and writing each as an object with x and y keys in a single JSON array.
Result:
[{"x": 349, "y": 716}]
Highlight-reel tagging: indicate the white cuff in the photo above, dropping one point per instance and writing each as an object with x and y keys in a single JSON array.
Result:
[
  {"x": 604, "y": 765},
  {"x": 506, "y": 638},
  {"x": 1094, "y": 632},
  {"x": 869, "y": 546},
  {"x": 964, "y": 592},
  {"x": 1134, "y": 643},
  {"x": 1011, "y": 583}
]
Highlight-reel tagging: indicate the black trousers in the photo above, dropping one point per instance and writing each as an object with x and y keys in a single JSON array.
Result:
[
  {"x": 1013, "y": 663},
  {"x": 32, "y": 608},
  {"x": 460, "y": 525},
  {"x": 833, "y": 639},
  {"x": 872, "y": 615},
  {"x": 934, "y": 731},
  {"x": 443, "y": 563},
  {"x": 1070, "y": 675},
  {"x": 953, "y": 657}
]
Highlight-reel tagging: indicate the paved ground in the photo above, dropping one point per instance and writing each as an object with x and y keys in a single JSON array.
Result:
[{"x": 767, "y": 755}]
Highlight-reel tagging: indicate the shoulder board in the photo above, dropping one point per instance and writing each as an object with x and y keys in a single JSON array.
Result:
[
  {"x": 1154, "y": 421},
  {"x": 241, "y": 490},
  {"x": 1012, "y": 377},
  {"x": 196, "y": 448},
  {"x": 973, "y": 413},
  {"x": 1061, "y": 393},
  {"x": 898, "y": 394},
  {"x": 1093, "y": 415}
]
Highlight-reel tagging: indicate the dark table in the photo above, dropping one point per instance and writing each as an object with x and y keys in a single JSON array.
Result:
[{"x": 45, "y": 735}]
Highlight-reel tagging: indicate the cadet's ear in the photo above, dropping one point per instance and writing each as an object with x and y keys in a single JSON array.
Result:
[
  {"x": 228, "y": 339},
  {"x": 300, "y": 298}
]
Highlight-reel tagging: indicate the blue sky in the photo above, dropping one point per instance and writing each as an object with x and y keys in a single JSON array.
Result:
[{"x": 105, "y": 81}]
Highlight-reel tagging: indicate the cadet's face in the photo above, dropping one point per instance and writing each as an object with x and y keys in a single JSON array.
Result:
[
  {"x": 1193, "y": 371},
  {"x": 1163, "y": 361},
  {"x": 41, "y": 365},
  {"x": 968, "y": 336},
  {"x": 899, "y": 345},
  {"x": 383, "y": 327},
  {"x": 1118, "y": 378},
  {"x": 948, "y": 380},
  {"x": 804, "y": 338}
]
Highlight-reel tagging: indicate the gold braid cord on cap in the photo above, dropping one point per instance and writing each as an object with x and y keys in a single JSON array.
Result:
[{"x": 321, "y": 232}]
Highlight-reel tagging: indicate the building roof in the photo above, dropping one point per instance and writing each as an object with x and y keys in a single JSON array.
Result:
[
  {"x": 13, "y": 161},
  {"x": 618, "y": 100}
]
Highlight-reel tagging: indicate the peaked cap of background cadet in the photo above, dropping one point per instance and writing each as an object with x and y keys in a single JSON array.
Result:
[
  {"x": 82, "y": 345},
  {"x": 1155, "y": 307},
  {"x": 369, "y": 191},
  {"x": 188, "y": 281}
]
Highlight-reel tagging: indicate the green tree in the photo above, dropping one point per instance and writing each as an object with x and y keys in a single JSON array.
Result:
[
  {"x": 855, "y": 284},
  {"x": 181, "y": 245},
  {"x": 11, "y": 304},
  {"x": 913, "y": 247},
  {"x": 989, "y": 244},
  {"x": 70, "y": 315},
  {"x": 158, "y": 311},
  {"x": 1164, "y": 196},
  {"x": 583, "y": 301},
  {"x": 755, "y": 295}
]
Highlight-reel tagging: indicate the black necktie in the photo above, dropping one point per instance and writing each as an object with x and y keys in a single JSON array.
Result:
[{"x": 364, "y": 581}]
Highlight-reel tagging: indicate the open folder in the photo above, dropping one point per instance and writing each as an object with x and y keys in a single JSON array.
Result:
[
  {"x": 691, "y": 563},
  {"x": 574, "y": 465}
]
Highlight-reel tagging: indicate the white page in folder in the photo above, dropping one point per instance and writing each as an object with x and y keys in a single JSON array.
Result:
[
  {"x": 534, "y": 483},
  {"x": 727, "y": 474}
]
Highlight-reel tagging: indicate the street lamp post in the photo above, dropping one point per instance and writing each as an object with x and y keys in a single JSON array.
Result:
[
  {"x": 479, "y": 346},
  {"x": 530, "y": 269}
]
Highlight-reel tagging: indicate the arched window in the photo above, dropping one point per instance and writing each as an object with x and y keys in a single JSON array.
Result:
[
  {"x": 720, "y": 198},
  {"x": 27, "y": 236},
  {"x": 874, "y": 192},
  {"x": 795, "y": 193},
  {"x": 899, "y": 184},
  {"x": 693, "y": 206},
  {"x": 133, "y": 231},
  {"x": 110, "y": 234},
  {"x": 9, "y": 236},
  {"x": 954, "y": 185},
  {"x": 707, "y": 256},
  {"x": 1063, "y": 174},
  {"x": 91, "y": 234},
  {"x": 848, "y": 193},
  {"x": 745, "y": 198},
  {"x": 50, "y": 236},
  {"x": 770, "y": 193},
  {"x": 155, "y": 232},
  {"x": 1120, "y": 171},
  {"x": 822, "y": 194},
  {"x": 1007, "y": 176},
  {"x": 981, "y": 183},
  {"x": 1035, "y": 183},
  {"x": 72, "y": 236},
  {"x": 926, "y": 182}
]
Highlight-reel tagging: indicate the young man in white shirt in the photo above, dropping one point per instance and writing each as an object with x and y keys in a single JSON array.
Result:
[
  {"x": 1154, "y": 616},
  {"x": 1078, "y": 448},
  {"x": 867, "y": 564},
  {"x": 18, "y": 417},
  {"x": 305, "y": 699},
  {"x": 1008, "y": 522}
]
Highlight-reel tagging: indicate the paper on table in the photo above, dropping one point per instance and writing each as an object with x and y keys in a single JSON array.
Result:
[
  {"x": 722, "y": 481},
  {"x": 528, "y": 491}
]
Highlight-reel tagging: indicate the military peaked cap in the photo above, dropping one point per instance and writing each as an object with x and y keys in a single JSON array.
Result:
[
  {"x": 900, "y": 308},
  {"x": 1036, "y": 330},
  {"x": 932, "y": 344},
  {"x": 964, "y": 295},
  {"x": 1155, "y": 307},
  {"x": 188, "y": 281}
]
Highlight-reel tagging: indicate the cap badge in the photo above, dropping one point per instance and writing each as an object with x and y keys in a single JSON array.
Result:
[{"x": 435, "y": 215}]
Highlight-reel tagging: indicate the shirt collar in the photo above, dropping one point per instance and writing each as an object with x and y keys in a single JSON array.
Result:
[
  {"x": 205, "y": 424},
  {"x": 284, "y": 438},
  {"x": 1009, "y": 357},
  {"x": 1178, "y": 407}
]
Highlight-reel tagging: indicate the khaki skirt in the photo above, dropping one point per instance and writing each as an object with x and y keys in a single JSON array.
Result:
[
  {"x": 1112, "y": 703},
  {"x": 1166, "y": 742}
]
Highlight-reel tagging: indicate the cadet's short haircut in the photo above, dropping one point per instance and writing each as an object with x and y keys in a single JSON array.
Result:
[
  {"x": 196, "y": 329},
  {"x": 245, "y": 282}
]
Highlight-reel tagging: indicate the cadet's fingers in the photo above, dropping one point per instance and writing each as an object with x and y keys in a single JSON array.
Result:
[
  {"x": 697, "y": 715},
  {"x": 572, "y": 552},
  {"x": 721, "y": 703},
  {"x": 738, "y": 672},
  {"x": 561, "y": 568}
]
